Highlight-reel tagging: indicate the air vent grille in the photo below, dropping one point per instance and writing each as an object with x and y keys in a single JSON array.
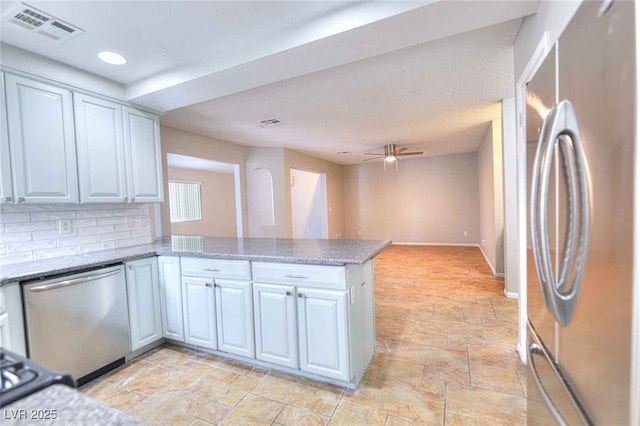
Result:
[
  {"x": 41, "y": 23},
  {"x": 268, "y": 122}
]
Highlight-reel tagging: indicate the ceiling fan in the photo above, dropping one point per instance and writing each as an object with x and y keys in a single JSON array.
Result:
[{"x": 392, "y": 152}]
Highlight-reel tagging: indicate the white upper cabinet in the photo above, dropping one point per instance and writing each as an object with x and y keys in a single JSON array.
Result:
[
  {"x": 6, "y": 190},
  {"x": 234, "y": 310},
  {"x": 100, "y": 144},
  {"x": 143, "y": 156},
  {"x": 41, "y": 141}
]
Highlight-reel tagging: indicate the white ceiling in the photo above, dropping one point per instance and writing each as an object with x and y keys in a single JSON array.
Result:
[
  {"x": 342, "y": 76},
  {"x": 436, "y": 97},
  {"x": 195, "y": 163}
]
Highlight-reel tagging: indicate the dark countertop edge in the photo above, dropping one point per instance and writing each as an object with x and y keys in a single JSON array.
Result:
[{"x": 158, "y": 251}]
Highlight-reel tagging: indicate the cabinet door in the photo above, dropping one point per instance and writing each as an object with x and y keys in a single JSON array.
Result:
[
  {"x": 100, "y": 145},
  {"x": 5, "y": 337},
  {"x": 199, "y": 312},
  {"x": 234, "y": 309},
  {"x": 143, "y": 294},
  {"x": 322, "y": 329},
  {"x": 276, "y": 324},
  {"x": 41, "y": 141},
  {"x": 143, "y": 156},
  {"x": 6, "y": 190},
  {"x": 171, "y": 298}
]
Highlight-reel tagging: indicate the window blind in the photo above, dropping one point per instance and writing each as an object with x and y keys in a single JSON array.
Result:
[{"x": 184, "y": 201}]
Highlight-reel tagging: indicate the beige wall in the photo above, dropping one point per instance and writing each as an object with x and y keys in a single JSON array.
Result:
[
  {"x": 218, "y": 198},
  {"x": 428, "y": 200},
  {"x": 491, "y": 196},
  {"x": 272, "y": 160},
  {"x": 335, "y": 198},
  {"x": 179, "y": 142},
  {"x": 279, "y": 162}
]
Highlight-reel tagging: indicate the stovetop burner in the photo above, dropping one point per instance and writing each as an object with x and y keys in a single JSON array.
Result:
[{"x": 21, "y": 377}]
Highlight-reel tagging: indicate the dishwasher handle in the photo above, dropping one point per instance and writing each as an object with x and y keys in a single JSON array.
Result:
[{"x": 75, "y": 281}]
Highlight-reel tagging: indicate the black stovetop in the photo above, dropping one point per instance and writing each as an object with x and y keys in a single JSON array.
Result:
[{"x": 21, "y": 377}]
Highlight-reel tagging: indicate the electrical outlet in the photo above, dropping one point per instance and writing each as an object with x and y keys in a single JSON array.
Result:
[
  {"x": 64, "y": 226},
  {"x": 466, "y": 234},
  {"x": 359, "y": 232}
]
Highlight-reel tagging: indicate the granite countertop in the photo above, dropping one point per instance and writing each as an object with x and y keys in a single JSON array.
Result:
[
  {"x": 63, "y": 406},
  {"x": 284, "y": 250}
]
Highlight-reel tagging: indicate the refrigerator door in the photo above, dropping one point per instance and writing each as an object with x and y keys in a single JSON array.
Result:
[
  {"x": 541, "y": 98},
  {"x": 549, "y": 400},
  {"x": 597, "y": 74}
]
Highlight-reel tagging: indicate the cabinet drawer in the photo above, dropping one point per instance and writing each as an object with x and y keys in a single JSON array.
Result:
[
  {"x": 214, "y": 268},
  {"x": 294, "y": 274}
]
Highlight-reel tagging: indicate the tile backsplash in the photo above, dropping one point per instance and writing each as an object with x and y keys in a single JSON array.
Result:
[{"x": 33, "y": 232}]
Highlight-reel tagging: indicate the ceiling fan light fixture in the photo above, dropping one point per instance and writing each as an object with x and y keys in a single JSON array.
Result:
[{"x": 390, "y": 158}]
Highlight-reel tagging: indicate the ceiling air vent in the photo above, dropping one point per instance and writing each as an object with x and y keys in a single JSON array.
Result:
[
  {"x": 39, "y": 22},
  {"x": 268, "y": 122}
]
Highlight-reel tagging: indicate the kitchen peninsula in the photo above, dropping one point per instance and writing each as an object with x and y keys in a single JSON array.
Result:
[{"x": 299, "y": 306}]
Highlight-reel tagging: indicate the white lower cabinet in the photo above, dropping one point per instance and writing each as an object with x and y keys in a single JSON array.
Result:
[
  {"x": 143, "y": 294},
  {"x": 171, "y": 297},
  {"x": 199, "y": 310},
  {"x": 323, "y": 333},
  {"x": 276, "y": 324},
  {"x": 234, "y": 313}
]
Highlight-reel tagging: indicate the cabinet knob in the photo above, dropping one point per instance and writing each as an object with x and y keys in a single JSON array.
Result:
[
  {"x": 125, "y": 199},
  {"x": 133, "y": 199},
  {"x": 209, "y": 285},
  {"x": 300, "y": 295},
  {"x": 9, "y": 199},
  {"x": 21, "y": 200},
  {"x": 288, "y": 293}
]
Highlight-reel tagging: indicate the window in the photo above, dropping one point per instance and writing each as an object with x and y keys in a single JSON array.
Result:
[{"x": 184, "y": 201}]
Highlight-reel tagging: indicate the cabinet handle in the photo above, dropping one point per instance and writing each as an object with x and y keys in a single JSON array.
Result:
[
  {"x": 300, "y": 277},
  {"x": 21, "y": 200},
  {"x": 300, "y": 295},
  {"x": 209, "y": 285},
  {"x": 9, "y": 199},
  {"x": 288, "y": 293},
  {"x": 211, "y": 270}
]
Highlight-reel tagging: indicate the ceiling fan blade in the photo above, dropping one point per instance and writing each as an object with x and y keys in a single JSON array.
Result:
[
  {"x": 375, "y": 158},
  {"x": 410, "y": 153},
  {"x": 400, "y": 149},
  {"x": 371, "y": 153}
]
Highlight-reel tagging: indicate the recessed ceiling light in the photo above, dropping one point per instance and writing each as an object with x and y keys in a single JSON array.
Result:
[{"x": 112, "y": 58}]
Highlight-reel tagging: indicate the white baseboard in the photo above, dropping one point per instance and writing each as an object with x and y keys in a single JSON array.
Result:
[
  {"x": 409, "y": 243},
  {"x": 493, "y": 271},
  {"x": 510, "y": 294}
]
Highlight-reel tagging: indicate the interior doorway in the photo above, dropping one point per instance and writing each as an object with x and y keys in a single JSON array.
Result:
[
  {"x": 204, "y": 197},
  {"x": 309, "y": 216}
]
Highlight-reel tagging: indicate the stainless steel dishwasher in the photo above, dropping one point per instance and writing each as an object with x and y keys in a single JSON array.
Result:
[{"x": 78, "y": 324}]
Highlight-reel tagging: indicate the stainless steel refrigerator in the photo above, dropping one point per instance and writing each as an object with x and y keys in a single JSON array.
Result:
[{"x": 584, "y": 193}]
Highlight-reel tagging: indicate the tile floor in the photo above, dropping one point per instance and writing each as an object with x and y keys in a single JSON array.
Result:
[{"x": 445, "y": 355}]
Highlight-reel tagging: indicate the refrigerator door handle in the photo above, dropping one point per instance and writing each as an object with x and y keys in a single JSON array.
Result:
[
  {"x": 539, "y": 198},
  {"x": 564, "y": 131},
  {"x": 536, "y": 350}
]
